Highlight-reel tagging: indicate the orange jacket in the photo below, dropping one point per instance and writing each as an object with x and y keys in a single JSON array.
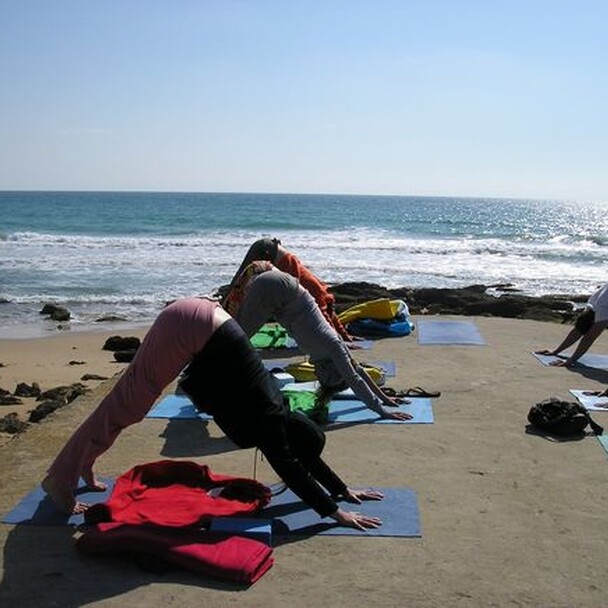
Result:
[{"x": 290, "y": 264}]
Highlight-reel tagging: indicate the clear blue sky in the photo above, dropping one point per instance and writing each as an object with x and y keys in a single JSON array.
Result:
[{"x": 428, "y": 97}]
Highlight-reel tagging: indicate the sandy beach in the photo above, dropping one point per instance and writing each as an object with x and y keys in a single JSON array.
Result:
[{"x": 508, "y": 518}]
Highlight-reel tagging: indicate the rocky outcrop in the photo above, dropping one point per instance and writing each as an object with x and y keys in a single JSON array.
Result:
[{"x": 474, "y": 300}]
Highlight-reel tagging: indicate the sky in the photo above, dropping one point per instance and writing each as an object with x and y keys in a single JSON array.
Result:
[{"x": 411, "y": 97}]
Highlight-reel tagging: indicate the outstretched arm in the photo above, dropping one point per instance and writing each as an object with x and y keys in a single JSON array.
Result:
[
  {"x": 362, "y": 385},
  {"x": 584, "y": 345},
  {"x": 275, "y": 446},
  {"x": 572, "y": 336},
  {"x": 374, "y": 388}
]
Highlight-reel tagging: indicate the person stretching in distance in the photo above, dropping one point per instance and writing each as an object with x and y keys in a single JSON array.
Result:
[{"x": 588, "y": 326}]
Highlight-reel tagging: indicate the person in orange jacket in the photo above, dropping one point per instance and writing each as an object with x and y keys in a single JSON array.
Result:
[{"x": 271, "y": 250}]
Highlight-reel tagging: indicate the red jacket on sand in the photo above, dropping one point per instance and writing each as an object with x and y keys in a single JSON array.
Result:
[
  {"x": 177, "y": 493},
  {"x": 154, "y": 508}
]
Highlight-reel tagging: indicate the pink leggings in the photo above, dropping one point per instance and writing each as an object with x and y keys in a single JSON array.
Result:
[{"x": 179, "y": 332}]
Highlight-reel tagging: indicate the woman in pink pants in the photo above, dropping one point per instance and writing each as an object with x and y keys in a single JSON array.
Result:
[
  {"x": 179, "y": 332},
  {"x": 197, "y": 337}
]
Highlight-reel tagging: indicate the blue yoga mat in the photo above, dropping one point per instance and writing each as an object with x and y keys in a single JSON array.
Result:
[
  {"x": 594, "y": 361},
  {"x": 603, "y": 439},
  {"x": 341, "y": 411},
  {"x": 389, "y": 367},
  {"x": 36, "y": 508},
  {"x": 252, "y": 527},
  {"x": 590, "y": 402},
  {"x": 345, "y": 408},
  {"x": 289, "y": 515},
  {"x": 349, "y": 411},
  {"x": 449, "y": 332},
  {"x": 176, "y": 406},
  {"x": 398, "y": 511}
]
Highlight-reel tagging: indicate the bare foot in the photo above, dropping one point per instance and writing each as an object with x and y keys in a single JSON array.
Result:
[
  {"x": 62, "y": 497},
  {"x": 93, "y": 483}
]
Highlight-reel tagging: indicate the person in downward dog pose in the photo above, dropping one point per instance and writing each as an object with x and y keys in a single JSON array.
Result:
[
  {"x": 271, "y": 250},
  {"x": 262, "y": 292},
  {"x": 225, "y": 377},
  {"x": 588, "y": 327}
]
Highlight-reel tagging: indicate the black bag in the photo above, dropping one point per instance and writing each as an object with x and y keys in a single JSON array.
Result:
[{"x": 561, "y": 418}]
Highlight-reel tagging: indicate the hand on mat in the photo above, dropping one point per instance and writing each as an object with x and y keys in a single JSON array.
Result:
[
  {"x": 358, "y": 496},
  {"x": 397, "y": 415},
  {"x": 351, "y": 519}
]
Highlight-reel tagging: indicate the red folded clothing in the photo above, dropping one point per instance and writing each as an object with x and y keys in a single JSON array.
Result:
[
  {"x": 177, "y": 493},
  {"x": 236, "y": 559}
]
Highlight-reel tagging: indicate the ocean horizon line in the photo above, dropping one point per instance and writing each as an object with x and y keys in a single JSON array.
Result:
[{"x": 474, "y": 197}]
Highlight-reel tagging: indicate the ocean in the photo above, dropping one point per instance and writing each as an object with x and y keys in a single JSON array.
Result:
[{"x": 127, "y": 253}]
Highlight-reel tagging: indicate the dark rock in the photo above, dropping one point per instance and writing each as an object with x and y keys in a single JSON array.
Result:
[
  {"x": 10, "y": 400},
  {"x": 27, "y": 390},
  {"x": 93, "y": 377},
  {"x": 3, "y": 392},
  {"x": 61, "y": 314},
  {"x": 65, "y": 394},
  {"x": 115, "y": 343},
  {"x": 11, "y": 424},
  {"x": 55, "y": 312},
  {"x": 349, "y": 294},
  {"x": 77, "y": 363},
  {"x": 124, "y": 356},
  {"x": 47, "y": 309},
  {"x": 44, "y": 409},
  {"x": 110, "y": 319}
]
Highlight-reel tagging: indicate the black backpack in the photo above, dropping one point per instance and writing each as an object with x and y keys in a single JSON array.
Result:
[{"x": 561, "y": 418}]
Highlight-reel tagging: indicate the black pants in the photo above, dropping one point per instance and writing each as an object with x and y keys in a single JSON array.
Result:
[
  {"x": 228, "y": 380},
  {"x": 585, "y": 321}
]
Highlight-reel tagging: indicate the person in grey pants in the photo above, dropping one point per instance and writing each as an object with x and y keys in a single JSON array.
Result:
[{"x": 269, "y": 294}]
